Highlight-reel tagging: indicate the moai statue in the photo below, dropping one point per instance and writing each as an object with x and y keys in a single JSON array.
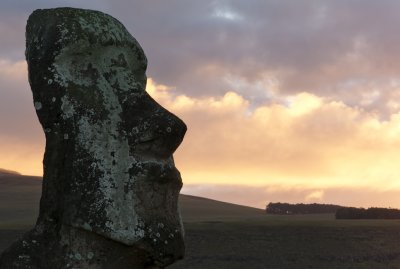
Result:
[{"x": 110, "y": 186}]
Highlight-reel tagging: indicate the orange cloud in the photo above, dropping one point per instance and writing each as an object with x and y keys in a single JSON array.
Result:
[
  {"x": 260, "y": 196},
  {"x": 14, "y": 71},
  {"x": 315, "y": 196},
  {"x": 22, "y": 156},
  {"x": 308, "y": 141}
]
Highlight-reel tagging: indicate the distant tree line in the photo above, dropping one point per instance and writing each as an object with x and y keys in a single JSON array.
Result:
[
  {"x": 292, "y": 209},
  {"x": 370, "y": 213},
  {"x": 341, "y": 212}
]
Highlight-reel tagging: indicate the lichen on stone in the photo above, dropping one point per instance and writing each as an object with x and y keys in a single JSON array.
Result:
[{"x": 110, "y": 186}]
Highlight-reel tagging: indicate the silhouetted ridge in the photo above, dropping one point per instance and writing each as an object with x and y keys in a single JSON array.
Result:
[
  {"x": 341, "y": 212},
  {"x": 292, "y": 209},
  {"x": 8, "y": 172},
  {"x": 370, "y": 213}
]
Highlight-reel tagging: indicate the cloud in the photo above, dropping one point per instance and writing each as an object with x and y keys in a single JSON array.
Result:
[
  {"x": 13, "y": 17},
  {"x": 327, "y": 48},
  {"x": 21, "y": 137},
  {"x": 309, "y": 140},
  {"x": 17, "y": 115},
  {"x": 260, "y": 196},
  {"x": 22, "y": 155},
  {"x": 315, "y": 196}
]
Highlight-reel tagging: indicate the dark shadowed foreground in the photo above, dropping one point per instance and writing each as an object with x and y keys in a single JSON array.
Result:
[{"x": 221, "y": 235}]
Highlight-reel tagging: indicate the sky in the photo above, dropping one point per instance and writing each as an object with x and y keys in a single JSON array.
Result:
[{"x": 285, "y": 100}]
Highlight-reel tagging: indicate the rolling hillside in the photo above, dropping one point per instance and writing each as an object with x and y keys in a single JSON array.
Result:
[{"x": 20, "y": 195}]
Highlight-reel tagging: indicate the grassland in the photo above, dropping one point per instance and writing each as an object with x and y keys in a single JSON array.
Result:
[
  {"x": 313, "y": 242},
  {"x": 221, "y": 235}
]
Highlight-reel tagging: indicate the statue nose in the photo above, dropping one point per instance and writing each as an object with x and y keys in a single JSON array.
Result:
[
  {"x": 171, "y": 130},
  {"x": 161, "y": 133}
]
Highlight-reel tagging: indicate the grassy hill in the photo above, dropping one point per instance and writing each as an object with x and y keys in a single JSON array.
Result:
[
  {"x": 20, "y": 195},
  {"x": 5, "y": 172},
  {"x": 19, "y": 199},
  {"x": 198, "y": 209}
]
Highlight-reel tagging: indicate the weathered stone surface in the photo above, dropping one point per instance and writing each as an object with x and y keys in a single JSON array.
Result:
[{"x": 110, "y": 186}]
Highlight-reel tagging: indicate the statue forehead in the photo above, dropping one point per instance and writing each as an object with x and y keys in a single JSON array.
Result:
[
  {"x": 74, "y": 25},
  {"x": 78, "y": 31}
]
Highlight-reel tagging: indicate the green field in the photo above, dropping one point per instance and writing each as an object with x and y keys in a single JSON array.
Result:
[{"x": 221, "y": 235}]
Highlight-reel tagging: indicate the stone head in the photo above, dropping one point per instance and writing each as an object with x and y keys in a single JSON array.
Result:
[{"x": 108, "y": 165}]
